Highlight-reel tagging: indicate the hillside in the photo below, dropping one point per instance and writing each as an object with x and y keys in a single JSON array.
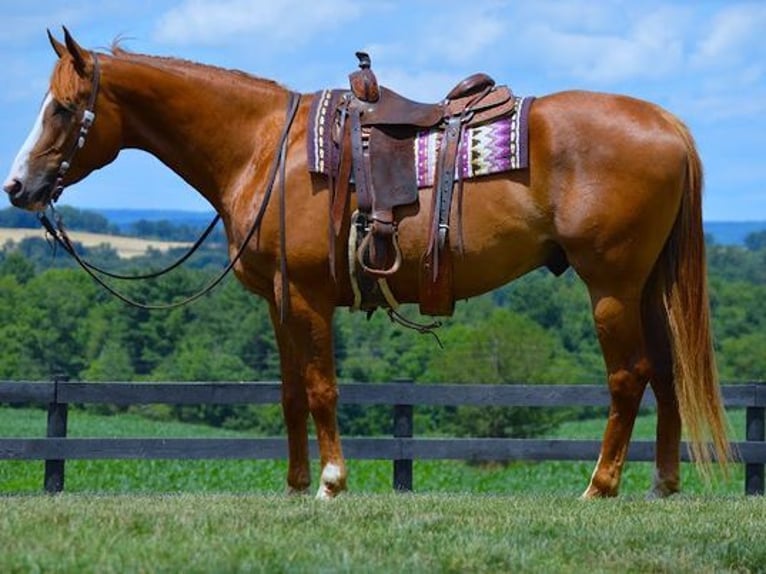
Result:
[
  {"x": 722, "y": 232},
  {"x": 124, "y": 218},
  {"x": 732, "y": 232},
  {"x": 126, "y": 247},
  {"x": 181, "y": 225}
]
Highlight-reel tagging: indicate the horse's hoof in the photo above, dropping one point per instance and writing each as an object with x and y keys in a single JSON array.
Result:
[
  {"x": 293, "y": 491},
  {"x": 593, "y": 492},
  {"x": 332, "y": 483}
]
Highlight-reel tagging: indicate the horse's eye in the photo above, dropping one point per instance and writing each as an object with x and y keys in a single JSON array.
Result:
[{"x": 61, "y": 110}]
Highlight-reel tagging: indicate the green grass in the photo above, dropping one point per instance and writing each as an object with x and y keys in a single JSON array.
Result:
[
  {"x": 268, "y": 477},
  {"x": 380, "y": 533},
  {"x": 231, "y": 516}
]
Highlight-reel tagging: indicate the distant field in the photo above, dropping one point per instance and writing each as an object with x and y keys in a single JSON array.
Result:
[
  {"x": 557, "y": 478},
  {"x": 126, "y": 247}
]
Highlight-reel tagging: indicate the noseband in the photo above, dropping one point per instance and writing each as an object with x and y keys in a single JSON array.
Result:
[{"x": 88, "y": 117}]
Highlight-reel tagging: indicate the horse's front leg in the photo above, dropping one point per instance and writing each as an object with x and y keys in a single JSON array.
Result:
[{"x": 305, "y": 345}]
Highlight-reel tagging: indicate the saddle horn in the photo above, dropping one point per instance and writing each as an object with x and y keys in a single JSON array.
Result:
[
  {"x": 364, "y": 84},
  {"x": 365, "y": 62}
]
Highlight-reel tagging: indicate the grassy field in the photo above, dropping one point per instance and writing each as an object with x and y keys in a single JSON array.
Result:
[
  {"x": 126, "y": 247},
  {"x": 231, "y": 516},
  {"x": 367, "y": 477},
  {"x": 380, "y": 533}
]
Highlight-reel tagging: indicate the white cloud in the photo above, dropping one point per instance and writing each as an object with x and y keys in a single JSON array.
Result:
[
  {"x": 435, "y": 37},
  {"x": 449, "y": 38},
  {"x": 717, "y": 108},
  {"x": 214, "y": 22},
  {"x": 646, "y": 45},
  {"x": 28, "y": 24},
  {"x": 601, "y": 43},
  {"x": 729, "y": 64},
  {"x": 736, "y": 34}
]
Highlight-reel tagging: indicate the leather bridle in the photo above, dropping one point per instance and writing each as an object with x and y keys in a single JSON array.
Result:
[{"x": 88, "y": 117}]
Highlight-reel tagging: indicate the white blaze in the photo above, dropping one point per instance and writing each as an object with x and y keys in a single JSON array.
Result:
[{"x": 20, "y": 167}]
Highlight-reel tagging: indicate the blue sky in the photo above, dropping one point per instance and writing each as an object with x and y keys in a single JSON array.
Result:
[{"x": 704, "y": 60}]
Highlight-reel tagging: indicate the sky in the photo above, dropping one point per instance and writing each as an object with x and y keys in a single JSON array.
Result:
[{"x": 703, "y": 60}]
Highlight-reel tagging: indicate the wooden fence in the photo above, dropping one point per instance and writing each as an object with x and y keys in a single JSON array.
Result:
[{"x": 402, "y": 448}]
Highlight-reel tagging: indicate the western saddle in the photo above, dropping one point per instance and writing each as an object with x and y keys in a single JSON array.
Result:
[{"x": 375, "y": 133}]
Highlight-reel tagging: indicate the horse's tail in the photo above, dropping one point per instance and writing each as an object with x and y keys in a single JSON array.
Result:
[{"x": 681, "y": 274}]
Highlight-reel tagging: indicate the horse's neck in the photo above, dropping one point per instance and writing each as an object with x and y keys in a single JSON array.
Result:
[{"x": 203, "y": 123}]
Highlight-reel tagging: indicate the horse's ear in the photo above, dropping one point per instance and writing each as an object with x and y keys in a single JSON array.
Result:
[
  {"x": 77, "y": 53},
  {"x": 58, "y": 47}
]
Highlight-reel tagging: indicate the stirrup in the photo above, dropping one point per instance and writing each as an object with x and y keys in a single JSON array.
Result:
[{"x": 364, "y": 247}]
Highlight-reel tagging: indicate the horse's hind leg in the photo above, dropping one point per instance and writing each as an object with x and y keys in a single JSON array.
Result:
[
  {"x": 618, "y": 321},
  {"x": 666, "y": 476},
  {"x": 308, "y": 386}
]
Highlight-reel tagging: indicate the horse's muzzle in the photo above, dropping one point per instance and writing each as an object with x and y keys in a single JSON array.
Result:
[
  {"x": 13, "y": 187},
  {"x": 23, "y": 198}
]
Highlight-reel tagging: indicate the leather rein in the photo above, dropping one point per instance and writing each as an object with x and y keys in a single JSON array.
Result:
[{"x": 58, "y": 233}]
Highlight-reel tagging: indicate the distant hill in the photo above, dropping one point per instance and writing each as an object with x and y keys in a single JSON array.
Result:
[
  {"x": 123, "y": 218},
  {"x": 126, "y": 247},
  {"x": 733, "y": 232},
  {"x": 724, "y": 232}
]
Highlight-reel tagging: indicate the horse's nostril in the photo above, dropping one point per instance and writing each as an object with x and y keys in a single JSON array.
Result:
[{"x": 13, "y": 187}]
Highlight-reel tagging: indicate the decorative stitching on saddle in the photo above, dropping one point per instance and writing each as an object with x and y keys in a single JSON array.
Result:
[{"x": 321, "y": 118}]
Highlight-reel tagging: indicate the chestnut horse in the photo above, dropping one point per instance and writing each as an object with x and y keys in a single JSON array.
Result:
[{"x": 614, "y": 186}]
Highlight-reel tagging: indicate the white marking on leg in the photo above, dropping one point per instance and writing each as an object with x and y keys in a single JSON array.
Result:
[
  {"x": 20, "y": 168},
  {"x": 329, "y": 482},
  {"x": 592, "y": 478}
]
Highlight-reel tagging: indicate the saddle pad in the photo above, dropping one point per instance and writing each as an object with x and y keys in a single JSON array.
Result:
[
  {"x": 498, "y": 146},
  {"x": 494, "y": 147},
  {"x": 319, "y": 132}
]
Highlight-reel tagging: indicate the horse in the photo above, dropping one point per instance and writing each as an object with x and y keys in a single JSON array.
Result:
[{"x": 613, "y": 189}]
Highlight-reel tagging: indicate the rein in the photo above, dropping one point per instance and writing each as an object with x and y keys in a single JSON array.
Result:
[
  {"x": 278, "y": 165},
  {"x": 59, "y": 234}
]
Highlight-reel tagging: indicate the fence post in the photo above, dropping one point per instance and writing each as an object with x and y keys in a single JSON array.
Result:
[
  {"x": 754, "y": 431},
  {"x": 57, "y": 428},
  {"x": 403, "y": 428}
]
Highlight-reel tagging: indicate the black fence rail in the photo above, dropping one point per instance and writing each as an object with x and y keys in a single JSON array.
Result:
[{"x": 402, "y": 448}]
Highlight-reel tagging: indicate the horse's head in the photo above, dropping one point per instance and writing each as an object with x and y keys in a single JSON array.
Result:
[{"x": 65, "y": 143}]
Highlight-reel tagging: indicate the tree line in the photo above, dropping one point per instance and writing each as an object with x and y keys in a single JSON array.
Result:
[
  {"x": 54, "y": 320},
  {"x": 91, "y": 221}
]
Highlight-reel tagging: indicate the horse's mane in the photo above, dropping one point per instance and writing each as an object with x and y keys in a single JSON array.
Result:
[
  {"x": 65, "y": 82},
  {"x": 182, "y": 66}
]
